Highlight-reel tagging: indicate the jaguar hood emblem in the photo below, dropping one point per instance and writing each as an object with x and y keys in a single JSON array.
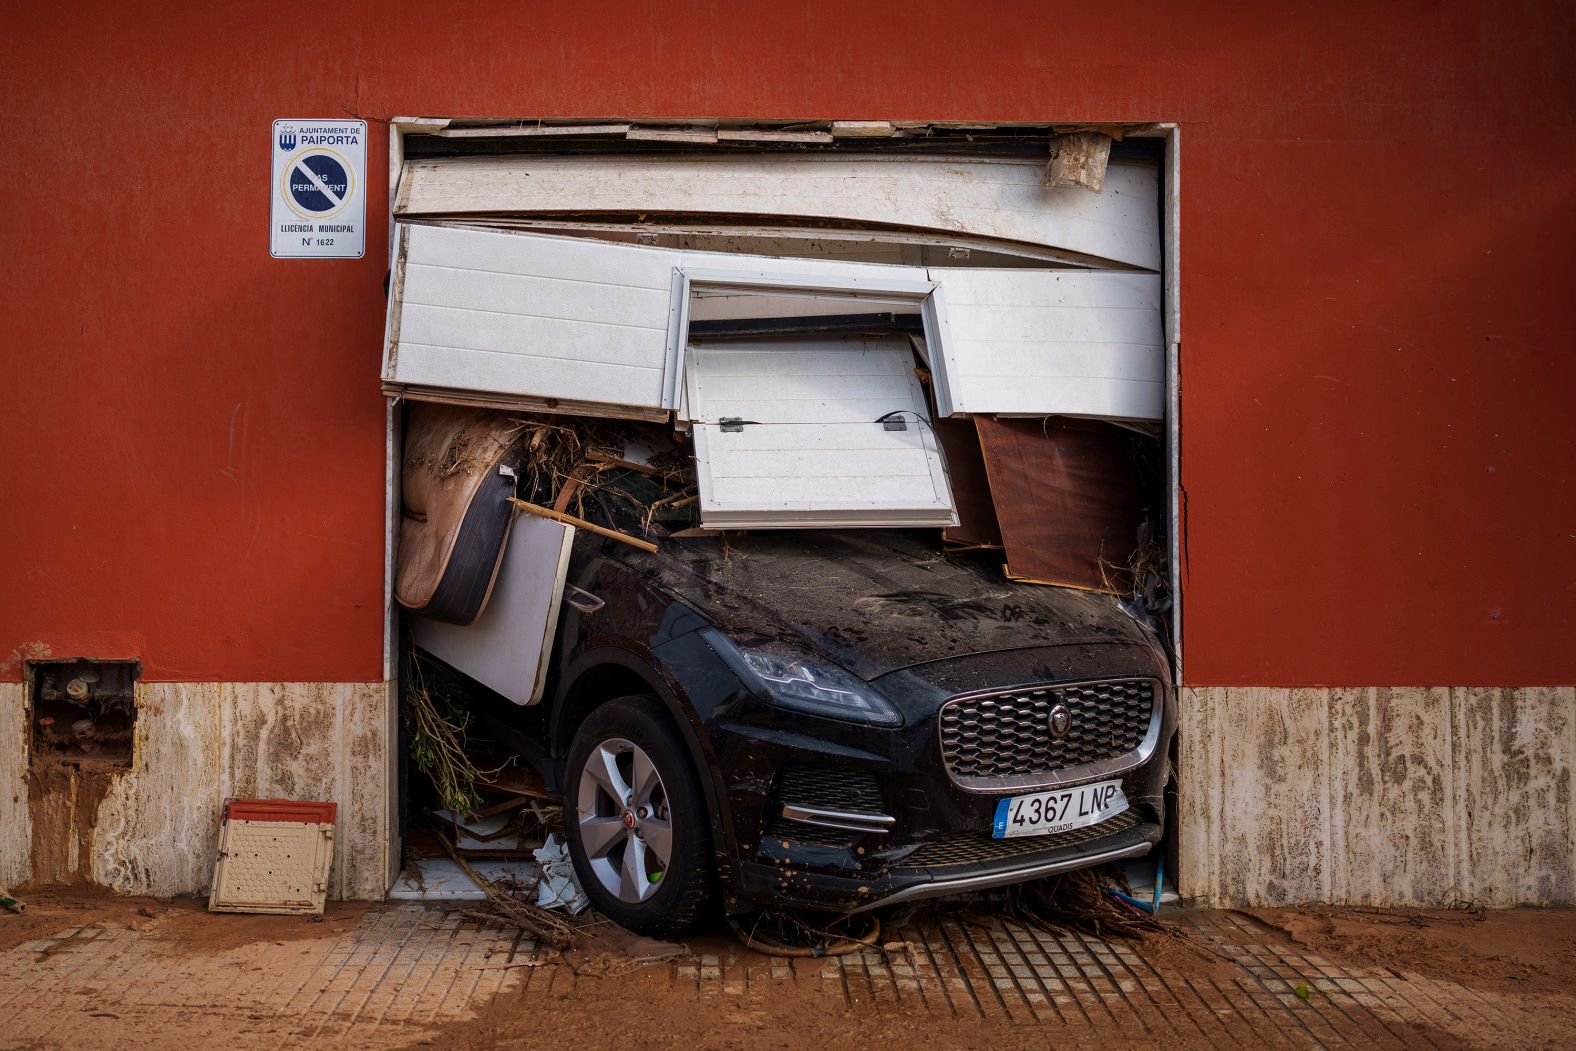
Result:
[{"x": 1060, "y": 720}]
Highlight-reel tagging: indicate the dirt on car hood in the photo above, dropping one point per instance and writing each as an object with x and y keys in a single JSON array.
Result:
[{"x": 876, "y": 601}]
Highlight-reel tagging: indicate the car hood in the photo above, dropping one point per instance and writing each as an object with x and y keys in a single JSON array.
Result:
[{"x": 875, "y": 601}]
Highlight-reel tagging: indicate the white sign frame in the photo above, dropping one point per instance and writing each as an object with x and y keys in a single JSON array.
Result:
[{"x": 297, "y": 228}]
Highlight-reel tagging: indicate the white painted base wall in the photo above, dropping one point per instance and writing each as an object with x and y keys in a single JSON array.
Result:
[
  {"x": 198, "y": 743},
  {"x": 1381, "y": 796}
]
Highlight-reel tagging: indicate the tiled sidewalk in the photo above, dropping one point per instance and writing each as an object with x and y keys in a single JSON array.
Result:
[{"x": 405, "y": 969}]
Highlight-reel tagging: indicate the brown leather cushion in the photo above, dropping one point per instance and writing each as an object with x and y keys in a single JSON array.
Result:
[{"x": 456, "y": 510}]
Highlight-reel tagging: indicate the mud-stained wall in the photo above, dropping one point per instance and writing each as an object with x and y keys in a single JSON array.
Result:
[
  {"x": 16, "y": 828},
  {"x": 1382, "y": 796},
  {"x": 157, "y": 826}
]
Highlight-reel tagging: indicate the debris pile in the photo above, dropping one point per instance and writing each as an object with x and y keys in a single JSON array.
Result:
[{"x": 1082, "y": 901}]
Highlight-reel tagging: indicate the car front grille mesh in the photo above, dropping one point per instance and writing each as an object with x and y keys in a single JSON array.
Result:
[
  {"x": 972, "y": 848},
  {"x": 1008, "y": 735},
  {"x": 828, "y": 788},
  {"x": 821, "y": 788}
]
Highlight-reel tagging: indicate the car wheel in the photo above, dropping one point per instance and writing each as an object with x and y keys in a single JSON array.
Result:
[{"x": 637, "y": 824}]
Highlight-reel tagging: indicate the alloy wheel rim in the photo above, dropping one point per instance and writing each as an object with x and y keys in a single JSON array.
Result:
[{"x": 626, "y": 826}]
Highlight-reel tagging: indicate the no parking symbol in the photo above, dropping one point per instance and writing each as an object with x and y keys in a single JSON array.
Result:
[{"x": 319, "y": 204}]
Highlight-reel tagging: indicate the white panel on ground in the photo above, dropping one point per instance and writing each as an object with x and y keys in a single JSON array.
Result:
[
  {"x": 1042, "y": 342},
  {"x": 814, "y": 452},
  {"x": 518, "y": 316},
  {"x": 988, "y": 197},
  {"x": 506, "y": 649}
]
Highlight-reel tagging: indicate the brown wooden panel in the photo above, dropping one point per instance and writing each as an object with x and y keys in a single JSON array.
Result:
[
  {"x": 960, "y": 444},
  {"x": 1068, "y": 499}
]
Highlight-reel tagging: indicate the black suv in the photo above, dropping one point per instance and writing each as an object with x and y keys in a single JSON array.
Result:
[{"x": 838, "y": 721}]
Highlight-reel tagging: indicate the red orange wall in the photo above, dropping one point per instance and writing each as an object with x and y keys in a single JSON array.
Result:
[{"x": 1378, "y": 367}]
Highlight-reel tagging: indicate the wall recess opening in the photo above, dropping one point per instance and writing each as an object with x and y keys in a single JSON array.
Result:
[
  {"x": 83, "y": 712},
  {"x": 83, "y": 718}
]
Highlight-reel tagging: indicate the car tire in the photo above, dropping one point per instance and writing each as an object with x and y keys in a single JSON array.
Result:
[{"x": 630, "y": 747}]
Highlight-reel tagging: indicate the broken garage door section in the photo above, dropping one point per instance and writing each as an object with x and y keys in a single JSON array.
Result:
[
  {"x": 1037, "y": 342},
  {"x": 999, "y": 198},
  {"x": 513, "y": 321},
  {"x": 572, "y": 324},
  {"x": 828, "y": 433}
]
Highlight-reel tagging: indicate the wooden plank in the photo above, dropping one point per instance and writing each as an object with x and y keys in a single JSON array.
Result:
[
  {"x": 960, "y": 444},
  {"x": 695, "y": 136},
  {"x": 1067, "y": 496},
  {"x": 862, "y": 129},
  {"x": 580, "y": 523},
  {"x": 513, "y": 131},
  {"x": 993, "y": 198},
  {"x": 759, "y": 135}
]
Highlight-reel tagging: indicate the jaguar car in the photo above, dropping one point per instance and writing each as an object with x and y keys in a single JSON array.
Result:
[{"x": 838, "y": 721}]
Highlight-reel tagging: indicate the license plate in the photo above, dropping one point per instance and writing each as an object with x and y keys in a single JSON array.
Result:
[{"x": 1046, "y": 813}]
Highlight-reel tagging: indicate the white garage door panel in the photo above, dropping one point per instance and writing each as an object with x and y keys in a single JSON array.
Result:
[
  {"x": 1080, "y": 396},
  {"x": 1031, "y": 323},
  {"x": 785, "y": 463},
  {"x": 854, "y": 381},
  {"x": 982, "y": 286},
  {"x": 1004, "y": 361},
  {"x": 534, "y": 255},
  {"x": 1000, "y": 198},
  {"x": 821, "y": 475},
  {"x": 471, "y": 289},
  {"x": 1078, "y": 343},
  {"x": 814, "y": 455},
  {"x": 504, "y": 375},
  {"x": 531, "y": 318},
  {"x": 539, "y": 338}
]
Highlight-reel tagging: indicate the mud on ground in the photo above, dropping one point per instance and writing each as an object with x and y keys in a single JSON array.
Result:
[
  {"x": 403, "y": 976},
  {"x": 176, "y": 926}
]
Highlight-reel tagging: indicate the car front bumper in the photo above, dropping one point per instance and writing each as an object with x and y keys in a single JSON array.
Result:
[
  {"x": 919, "y": 833},
  {"x": 804, "y": 885}
]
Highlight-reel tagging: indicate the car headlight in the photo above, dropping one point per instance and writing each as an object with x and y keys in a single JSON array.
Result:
[{"x": 809, "y": 686}]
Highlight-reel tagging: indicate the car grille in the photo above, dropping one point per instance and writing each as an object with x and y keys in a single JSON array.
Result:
[
  {"x": 972, "y": 848},
  {"x": 1007, "y": 735},
  {"x": 823, "y": 788},
  {"x": 826, "y": 788}
]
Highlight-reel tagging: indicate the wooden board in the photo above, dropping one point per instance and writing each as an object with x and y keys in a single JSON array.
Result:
[
  {"x": 960, "y": 444},
  {"x": 1068, "y": 497}
]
